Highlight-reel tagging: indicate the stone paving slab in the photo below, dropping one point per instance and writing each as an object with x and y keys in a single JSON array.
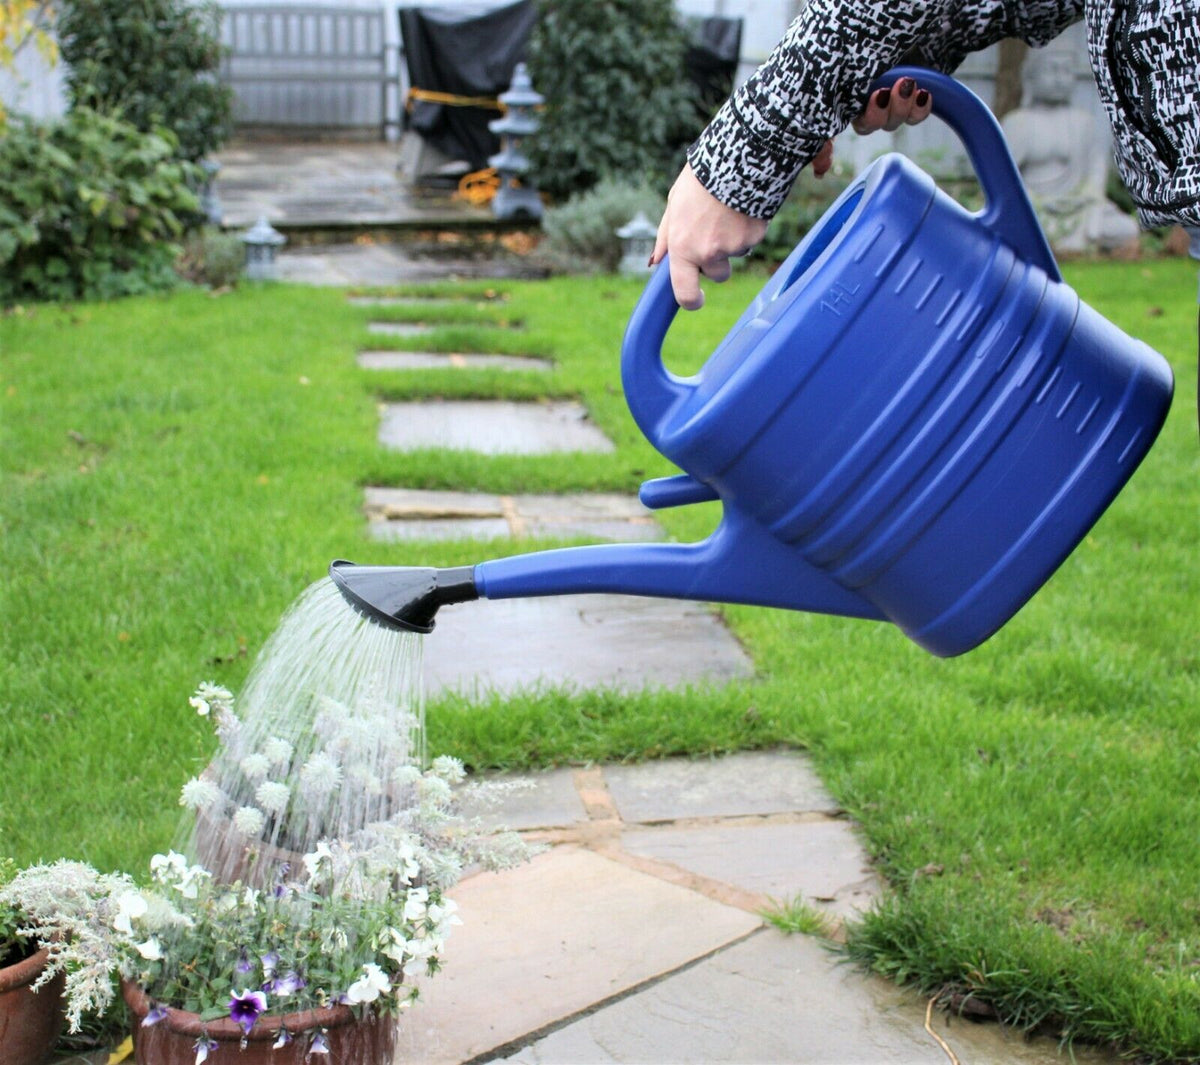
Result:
[
  {"x": 549, "y": 799},
  {"x": 399, "y": 329},
  {"x": 821, "y": 860},
  {"x": 544, "y": 941},
  {"x": 774, "y": 998},
  {"x": 493, "y": 427},
  {"x": 436, "y": 360},
  {"x": 413, "y": 514},
  {"x": 753, "y": 782},
  {"x": 579, "y": 641}
]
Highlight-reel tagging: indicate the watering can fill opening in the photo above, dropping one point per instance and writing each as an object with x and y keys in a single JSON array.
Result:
[{"x": 915, "y": 420}]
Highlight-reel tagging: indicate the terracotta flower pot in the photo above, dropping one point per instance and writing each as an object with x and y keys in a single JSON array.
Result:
[
  {"x": 172, "y": 1040},
  {"x": 30, "y": 1021}
]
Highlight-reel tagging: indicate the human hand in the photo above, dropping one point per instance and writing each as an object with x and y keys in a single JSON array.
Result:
[{"x": 702, "y": 234}]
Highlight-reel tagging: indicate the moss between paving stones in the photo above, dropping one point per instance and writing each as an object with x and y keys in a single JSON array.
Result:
[{"x": 170, "y": 483}]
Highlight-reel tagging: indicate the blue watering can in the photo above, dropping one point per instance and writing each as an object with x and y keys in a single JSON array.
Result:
[{"x": 916, "y": 421}]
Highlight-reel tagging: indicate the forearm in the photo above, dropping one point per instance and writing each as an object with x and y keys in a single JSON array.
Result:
[{"x": 816, "y": 81}]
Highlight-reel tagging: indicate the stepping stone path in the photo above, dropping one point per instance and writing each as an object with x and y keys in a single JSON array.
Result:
[
  {"x": 426, "y": 360},
  {"x": 410, "y": 514},
  {"x": 491, "y": 427},
  {"x": 625, "y": 942}
]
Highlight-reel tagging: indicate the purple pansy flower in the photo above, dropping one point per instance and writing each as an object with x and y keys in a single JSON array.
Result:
[
  {"x": 269, "y": 962},
  {"x": 157, "y": 1013},
  {"x": 244, "y": 964},
  {"x": 282, "y": 1040},
  {"x": 246, "y": 1008},
  {"x": 319, "y": 1044},
  {"x": 285, "y": 985},
  {"x": 203, "y": 1047}
]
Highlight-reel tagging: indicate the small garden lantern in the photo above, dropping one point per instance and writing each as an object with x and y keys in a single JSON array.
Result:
[
  {"x": 210, "y": 202},
  {"x": 637, "y": 245},
  {"x": 262, "y": 245},
  {"x": 516, "y": 197}
]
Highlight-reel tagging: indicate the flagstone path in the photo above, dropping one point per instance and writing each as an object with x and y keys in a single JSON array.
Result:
[
  {"x": 427, "y": 360},
  {"x": 637, "y": 935}
]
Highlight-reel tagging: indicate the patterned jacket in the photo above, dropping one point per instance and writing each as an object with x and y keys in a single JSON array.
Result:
[{"x": 1145, "y": 55}]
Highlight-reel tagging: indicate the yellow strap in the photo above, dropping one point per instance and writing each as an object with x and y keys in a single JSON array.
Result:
[
  {"x": 453, "y": 100},
  {"x": 122, "y": 1052}
]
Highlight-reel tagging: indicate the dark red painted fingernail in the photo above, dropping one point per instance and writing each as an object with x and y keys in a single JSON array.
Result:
[
  {"x": 922, "y": 98},
  {"x": 882, "y": 97},
  {"x": 905, "y": 88}
]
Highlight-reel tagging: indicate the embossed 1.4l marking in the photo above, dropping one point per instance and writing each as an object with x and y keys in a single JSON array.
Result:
[{"x": 839, "y": 298}]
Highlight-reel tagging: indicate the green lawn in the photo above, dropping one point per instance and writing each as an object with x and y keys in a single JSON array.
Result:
[{"x": 176, "y": 469}]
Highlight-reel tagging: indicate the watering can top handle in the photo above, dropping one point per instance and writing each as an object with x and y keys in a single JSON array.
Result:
[
  {"x": 1008, "y": 212},
  {"x": 650, "y": 389}
]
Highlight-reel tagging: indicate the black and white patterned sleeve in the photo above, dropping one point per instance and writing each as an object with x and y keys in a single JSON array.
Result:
[{"x": 816, "y": 81}]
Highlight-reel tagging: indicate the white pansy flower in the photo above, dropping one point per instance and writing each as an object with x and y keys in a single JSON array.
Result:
[
  {"x": 189, "y": 883},
  {"x": 255, "y": 766},
  {"x": 199, "y": 794},
  {"x": 314, "y": 861},
  {"x": 416, "y": 903},
  {"x": 249, "y": 820},
  {"x": 151, "y": 950},
  {"x": 130, "y": 906},
  {"x": 277, "y": 751},
  {"x": 167, "y": 867},
  {"x": 368, "y": 987},
  {"x": 320, "y": 774},
  {"x": 199, "y": 705},
  {"x": 250, "y": 898},
  {"x": 444, "y": 914},
  {"x": 273, "y": 796}
]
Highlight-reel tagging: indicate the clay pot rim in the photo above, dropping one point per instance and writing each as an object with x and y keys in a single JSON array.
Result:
[
  {"x": 24, "y": 972},
  {"x": 266, "y": 1027}
]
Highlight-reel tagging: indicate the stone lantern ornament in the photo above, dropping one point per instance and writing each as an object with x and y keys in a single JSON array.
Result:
[
  {"x": 262, "y": 245},
  {"x": 637, "y": 245},
  {"x": 516, "y": 197}
]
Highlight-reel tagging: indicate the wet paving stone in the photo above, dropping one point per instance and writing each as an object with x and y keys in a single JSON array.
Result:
[
  {"x": 577, "y": 642},
  {"x": 412, "y": 514},
  {"x": 434, "y": 360},
  {"x": 492, "y": 427}
]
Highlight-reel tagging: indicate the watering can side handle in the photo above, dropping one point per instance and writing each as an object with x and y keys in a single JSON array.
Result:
[
  {"x": 1008, "y": 212},
  {"x": 650, "y": 389}
]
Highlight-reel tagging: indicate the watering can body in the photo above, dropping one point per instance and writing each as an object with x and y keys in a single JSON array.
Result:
[{"x": 916, "y": 420}]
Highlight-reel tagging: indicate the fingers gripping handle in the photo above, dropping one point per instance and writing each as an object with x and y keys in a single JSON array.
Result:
[
  {"x": 1008, "y": 212},
  {"x": 650, "y": 389}
]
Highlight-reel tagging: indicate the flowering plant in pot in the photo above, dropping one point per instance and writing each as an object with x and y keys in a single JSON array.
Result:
[
  {"x": 31, "y": 1009},
  {"x": 51, "y": 936}
]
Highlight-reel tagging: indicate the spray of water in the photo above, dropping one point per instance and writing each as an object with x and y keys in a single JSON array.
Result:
[{"x": 321, "y": 742}]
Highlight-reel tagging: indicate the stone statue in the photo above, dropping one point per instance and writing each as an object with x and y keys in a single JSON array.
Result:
[{"x": 1064, "y": 160}]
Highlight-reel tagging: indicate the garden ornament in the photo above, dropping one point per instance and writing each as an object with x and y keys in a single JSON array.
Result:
[{"x": 916, "y": 420}]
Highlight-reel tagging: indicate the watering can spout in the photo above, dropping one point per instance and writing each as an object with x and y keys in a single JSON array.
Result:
[{"x": 739, "y": 563}]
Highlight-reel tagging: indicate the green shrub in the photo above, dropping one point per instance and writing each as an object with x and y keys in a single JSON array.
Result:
[
  {"x": 580, "y": 235},
  {"x": 89, "y": 208},
  {"x": 617, "y": 100},
  {"x": 154, "y": 62},
  {"x": 809, "y": 200},
  {"x": 213, "y": 258}
]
